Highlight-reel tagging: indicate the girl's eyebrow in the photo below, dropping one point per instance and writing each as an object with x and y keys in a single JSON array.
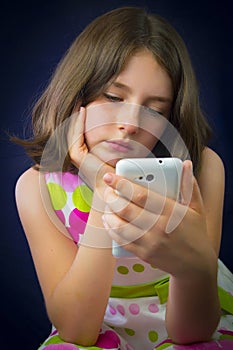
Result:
[
  {"x": 150, "y": 98},
  {"x": 121, "y": 86}
]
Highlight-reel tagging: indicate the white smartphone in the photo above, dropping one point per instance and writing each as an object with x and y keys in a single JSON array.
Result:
[{"x": 162, "y": 175}]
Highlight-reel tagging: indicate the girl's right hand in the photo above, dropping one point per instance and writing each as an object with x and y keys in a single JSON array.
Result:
[{"x": 91, "y": 168}]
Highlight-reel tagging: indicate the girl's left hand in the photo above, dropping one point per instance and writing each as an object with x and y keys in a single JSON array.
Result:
[{"x": 169, "y": 235}]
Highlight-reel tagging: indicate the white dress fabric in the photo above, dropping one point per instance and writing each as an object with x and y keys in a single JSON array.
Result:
[{"x": 135, "y": 314}]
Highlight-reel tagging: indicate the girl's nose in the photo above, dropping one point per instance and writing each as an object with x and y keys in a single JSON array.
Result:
[
  {"x": 128, "y": 119},
  {"x": 128, "y": 128}
]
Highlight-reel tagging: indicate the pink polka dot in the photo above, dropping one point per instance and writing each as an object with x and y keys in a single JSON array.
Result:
[
  {"x": 78, "y": 220},
  {"x": 69, "y": 181},
  {"x": 108, "y": 340},
  {"x": 121, "y": 309},
  {"x": 112, "y": 310},
  {"x": 74, "y": 234},
  {"x": 153, "y": 308},
  {"x": 46, "y": 176},
  {"x": 134, "y": 309},
  {"x": 60, "y": 215}
]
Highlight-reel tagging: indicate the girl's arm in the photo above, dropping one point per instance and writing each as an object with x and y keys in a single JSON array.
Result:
[
  {"x": 211, "y": 181},
  {"x": 188, "y": 253},
  {"x": 75, "y": 282},
  {"x": 193, "y": 309}
]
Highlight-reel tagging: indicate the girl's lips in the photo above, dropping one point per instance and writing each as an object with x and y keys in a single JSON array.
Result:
[{"x": 120, "y": 146}]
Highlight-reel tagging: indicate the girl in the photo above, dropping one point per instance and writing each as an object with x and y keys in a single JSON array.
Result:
[{"x": 125, "y": 82}]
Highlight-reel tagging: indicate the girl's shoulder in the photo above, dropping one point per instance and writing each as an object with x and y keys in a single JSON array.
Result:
[
  {"x": 209, "y": 153},
  {"x": 33, "y": 200},
  {"x": 28, "y": 193},
  {"x": 212, "y": 173},
  {"x": 211, "y": 162},
  {"x": 27, "y": 179}
]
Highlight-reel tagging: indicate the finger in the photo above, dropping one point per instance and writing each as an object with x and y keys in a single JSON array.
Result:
[
  {"x": 196, "y": 202},
  {"x": 120, "y": 230},
  {"x": 191, "y": 199},
  {"x": 135, "y": 193},
  {"x": 190, "y": 191},
  {"x": 186, "y": 188},
  {"x": 176, "y": 217},
  {"x": 129, "y": 211}
]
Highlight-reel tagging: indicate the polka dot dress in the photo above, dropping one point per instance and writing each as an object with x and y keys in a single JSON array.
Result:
[{"x": 135, "y": 314}]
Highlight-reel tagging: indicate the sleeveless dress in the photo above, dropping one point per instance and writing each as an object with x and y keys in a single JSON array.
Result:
[{"x": 135, "y": 315}]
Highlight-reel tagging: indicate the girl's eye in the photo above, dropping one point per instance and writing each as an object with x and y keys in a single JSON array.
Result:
[
  {"x": 154, "y": 111},
  {"x": 112, "y": 98}
]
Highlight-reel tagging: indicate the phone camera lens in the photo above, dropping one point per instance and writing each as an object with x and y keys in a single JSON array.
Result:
[{"x": 150, "y": 177}]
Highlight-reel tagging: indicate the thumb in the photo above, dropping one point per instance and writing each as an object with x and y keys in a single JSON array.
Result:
[
  {"x": 190, "y": 191},
  {"x": 187, "y": 179},
  {"x": 196, "y": 202}
]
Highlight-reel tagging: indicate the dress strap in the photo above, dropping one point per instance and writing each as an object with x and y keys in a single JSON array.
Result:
[
  {"x": 155, "y": 288},
  {"x": 160, "y": 288}
]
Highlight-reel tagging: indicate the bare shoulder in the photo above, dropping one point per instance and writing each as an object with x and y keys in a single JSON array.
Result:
[
  {"x": 33, "y": 200},
  {"x": 212, "y": 166},
  {"x": 26, "y": 179},
  {"x": 210, "y": 157},
  {"x": 27, "y": 188},
  {"x": 212, "y": 175}
]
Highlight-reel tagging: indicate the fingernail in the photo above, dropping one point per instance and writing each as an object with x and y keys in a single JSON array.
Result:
[{"x": 108, "y": 178}]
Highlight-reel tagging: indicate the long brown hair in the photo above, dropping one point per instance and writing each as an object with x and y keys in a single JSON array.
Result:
[{"x": 96, "y": 56}]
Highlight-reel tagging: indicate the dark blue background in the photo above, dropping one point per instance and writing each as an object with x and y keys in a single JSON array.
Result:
[{"x": 34, "y": 37}]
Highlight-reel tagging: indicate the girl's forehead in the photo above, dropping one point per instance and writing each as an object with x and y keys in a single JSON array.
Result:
[{"x": 142, "y": 71}]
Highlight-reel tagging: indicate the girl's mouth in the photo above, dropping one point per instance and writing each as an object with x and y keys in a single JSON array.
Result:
[{"x": 120, "y": 145}]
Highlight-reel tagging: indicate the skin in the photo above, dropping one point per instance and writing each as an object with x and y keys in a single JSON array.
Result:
[
  {"x": 134, "y": 90},
  {"x": 189, "y": 253}
]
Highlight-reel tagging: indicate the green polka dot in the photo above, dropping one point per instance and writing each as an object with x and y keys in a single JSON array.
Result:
[
  {"x": 138, "y": 268},
  {"x": 82, "y": 197},
  {"x": 54, "y": 340},
  {"x": 153, "y": 336},
  {"x": 129, "y": 331},
  {"x": 123, "y": 270},
  {"x": 226, "y": 336},
  {"x": 58, "y": 195},
  {"x": 153, "y": 266}
]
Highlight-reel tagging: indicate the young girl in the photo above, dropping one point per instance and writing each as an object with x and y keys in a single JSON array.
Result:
[{"x": 126, "y": 80}]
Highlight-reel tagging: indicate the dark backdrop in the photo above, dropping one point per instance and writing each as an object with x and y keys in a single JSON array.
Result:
[{"x": 34, "y": 36}]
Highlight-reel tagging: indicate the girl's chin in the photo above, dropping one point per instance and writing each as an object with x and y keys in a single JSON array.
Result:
[{"x": 112, "y": 162}]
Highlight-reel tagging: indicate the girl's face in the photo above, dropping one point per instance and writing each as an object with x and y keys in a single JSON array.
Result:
[{"x": 128, "y": 118}]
